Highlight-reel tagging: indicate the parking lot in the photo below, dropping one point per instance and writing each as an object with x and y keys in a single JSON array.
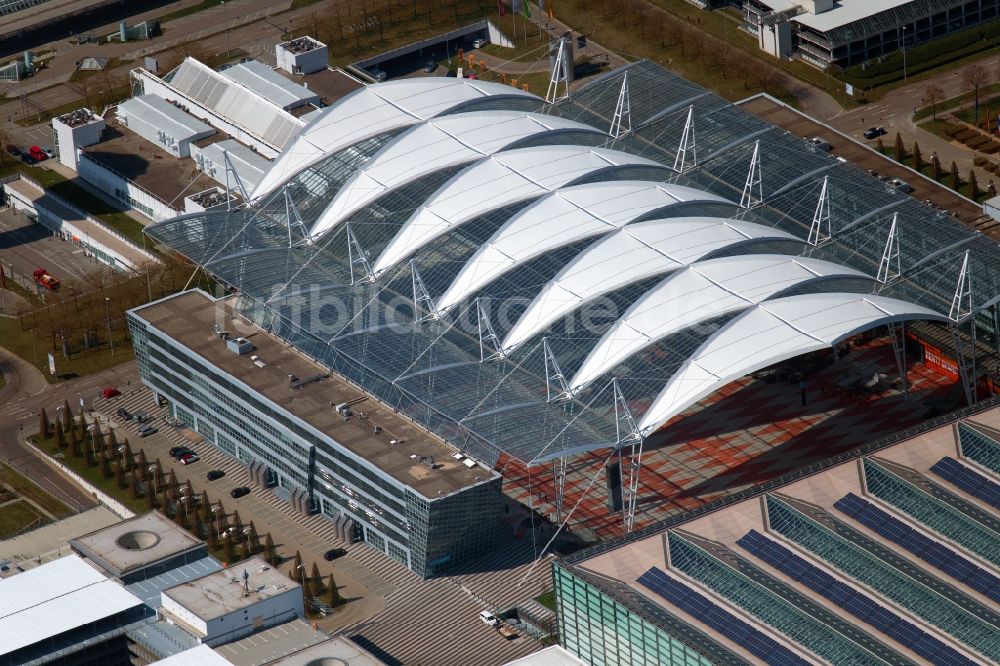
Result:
[{"x": 25, "y": 246}]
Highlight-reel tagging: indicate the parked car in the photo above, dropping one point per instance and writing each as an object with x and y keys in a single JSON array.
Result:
[
  {"x": 140, "y": 416},
  {"x": 28, "y": 159},
  {"x": 110, "y": 392},
  {"x": 480, "y": 43},
  {"x": 874, "y": 132},
  {"x": 489, "y": 618},
  {"x": 124, "y": 413},
  {"x": 147, "y": 430},
  {"x": 13, "y": 150},
  {"x": 430, "y": 66},
  {"x": 334, "y": 553},
  {"x": 237, "y": 493},
  {"x": 179, "y": 451},
  {"x": 38, "y": 153},
  {"x": 189, "y": 458},
  {"x": 216, "y": 474},
  {"x": 48, "y": 152}
]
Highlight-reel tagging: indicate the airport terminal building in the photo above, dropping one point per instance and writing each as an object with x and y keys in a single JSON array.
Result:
[{"x": 317, "y": 436}]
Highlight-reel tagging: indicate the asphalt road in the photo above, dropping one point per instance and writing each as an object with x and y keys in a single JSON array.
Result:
[{"x": 25, "y": 394}]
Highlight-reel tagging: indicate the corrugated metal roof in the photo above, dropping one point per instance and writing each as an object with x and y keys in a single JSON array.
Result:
[
  {"x": 250, "y": 166},
  {"x": 266, "y": 82},
  {"x": 259, "y": 116},
  {"x": 55, "y": 598},
  {"x": 159, "y": 113}
]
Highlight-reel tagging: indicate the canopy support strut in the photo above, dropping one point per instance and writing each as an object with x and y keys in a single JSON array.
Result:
[
  {"x": 748, "y": 200},
  {"x": 621, "y": 123},
  {"x": 559, "y": 477},
  {"x": 820, "y": 231},
  {"x": 897, "y": 334},
  {"x": 357, "y": 256},
  {"x": 423, "y": 305},
  {"x": 487, "y": 336},
  {"x": 628, "y": 435},
  {"x": 558, "y": 76},
  {"x": 687, "y": 143},
  {"x": 889, "y": 268},
  {"x": 961, "y": 311},
  {"x": 556, "y": 386}
]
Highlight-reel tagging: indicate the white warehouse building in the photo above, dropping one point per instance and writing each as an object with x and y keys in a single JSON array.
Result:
[
  {"x": 161, "y": 123},
  {"x": 249, "y": 166},
  {"x": 270, "y": 85}
]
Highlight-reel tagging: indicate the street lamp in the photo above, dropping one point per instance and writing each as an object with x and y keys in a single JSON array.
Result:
[
  {"x": 150, "y": 470},
  {"x": 107, "y": 305},
  {"x": 225, "y": 19},
  {"x": 121, "y": 450}
]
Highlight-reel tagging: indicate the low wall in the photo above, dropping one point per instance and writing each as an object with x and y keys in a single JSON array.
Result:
[{"x": 113, "y": 505}]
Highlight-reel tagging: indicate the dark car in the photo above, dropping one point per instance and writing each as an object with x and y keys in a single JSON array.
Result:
[
  {"x": 237, "y": 493},
  {"x": 28, "y": 159},
  {"x": 430, "y": 66},
  {"x": 334, "y": 553},
  {"x": 13, "y": 150},
  {"x": 180, "y": 451},
  {"x": 147, "y": 430},
  {"x": 874, "y": 132},
  {"x": 216, "y": 474},
  {"x": 124, "y": 413}
]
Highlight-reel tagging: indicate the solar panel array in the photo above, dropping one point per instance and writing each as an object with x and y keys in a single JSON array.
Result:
[
  {"x": 701, "y": 608},
  {"x": 854, "y": 602},
  {"x": 968, "y": 480},
  {"x": 11, "y": 6},
  {"x": 977, "y": 446},
  {"x": 930, "y": 551}
]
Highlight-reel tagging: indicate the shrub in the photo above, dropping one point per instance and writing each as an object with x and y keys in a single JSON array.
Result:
[
  {"x": 977, "y": 141},
  {"x": 965, "y": 134},
  {"x": 951, "y": 129},
  {"x": 980, "y": 161},
  {"x": 990, "y": 147}
]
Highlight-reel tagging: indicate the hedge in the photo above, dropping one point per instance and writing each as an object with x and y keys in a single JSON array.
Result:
[
  {"x": 965, "y": 134},
  {"x": 990, "y": 148}
]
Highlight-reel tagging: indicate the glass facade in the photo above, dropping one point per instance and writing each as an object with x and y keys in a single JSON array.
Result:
[
  {"x": 425, "y": 535},
  {"x": 603, "y": 632},
  {"x": 978, "y": 447}
]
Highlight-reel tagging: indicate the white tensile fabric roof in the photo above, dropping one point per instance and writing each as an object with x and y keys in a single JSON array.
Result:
[
  {"x": 771, "y": 332},
  {"x": 502, "y": 179},
  {"x": 370, "y": 111},
  {"x": 633, "y": 253},
  {"x": 435, "y": 144},
  {"x": 600, "y": 220},
  {"x": 563, "y": 217}
]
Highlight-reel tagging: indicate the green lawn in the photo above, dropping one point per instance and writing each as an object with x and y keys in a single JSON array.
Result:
[
  {"x": 26, "y": 488},
  {"x": 16, "y": 516}
]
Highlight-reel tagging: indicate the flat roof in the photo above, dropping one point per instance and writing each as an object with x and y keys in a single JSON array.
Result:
[
  {"x": 159, "y": 113},
  {"x": 842, "y": 13},
  {"x": 555, "y": 655},
  {"x": 202, "y": 655},
  {"x": 54, "y": 598},
  {"x": 220, "y": 593},
  {"x": 250, "y": 166},
  {"x": 335, "y": 651},
  {"x": 149, "y": 167},
  {"x": 263, "y": 80},
  {"x": 166, "y": 540},
  {"x": 187, "y": 318},
  {"x": 272, "y": 645},
  {"x": 332, "y": 84}
]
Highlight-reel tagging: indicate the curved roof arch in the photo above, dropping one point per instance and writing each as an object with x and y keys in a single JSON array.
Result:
[
  {"x": 561, "y": 218},
  {"x": 372, "y": 110},
  {"x": 701, "y": 292},
  {"x": 434, "y": 144},
  {"x": 633, "y": 253},
  {"x": 771, "y": 332},
  {"x": 498, "y": 180}
]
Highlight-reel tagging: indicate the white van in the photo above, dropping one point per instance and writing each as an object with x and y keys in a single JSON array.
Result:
[{"x": 480, "y": 43}]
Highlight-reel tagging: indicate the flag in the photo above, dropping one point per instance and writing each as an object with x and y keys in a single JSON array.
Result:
[
  {"x": 503, "y": 10},
  {"x": 527, "y": 9},
  {"x": 552, "y": 13}
]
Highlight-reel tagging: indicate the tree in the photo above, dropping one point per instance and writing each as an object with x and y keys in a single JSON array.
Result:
[
  {"x": 129, "y": 460},
  {"x": 879, "y": 146},
  {"x": 918, "y": 161},
  {"x": 74, "y": 442},
  {"x": 67, "y": 414},
  {"x": 206, "y": 507},
  {"x": 237, "y": 526},
  {"x": 229, "y": 548},
  {"x": 974, "y": 77},
  {"x": 213, "y": 535},
  {"x": 316, "y": 581},
  {"x": 973, "y": 185},
  {"x": 150, "y": 496},
  {"x": 933, "y": 95},
  {"x": 120, "y": 471},
  {"x": 334, "y": 594},
  {"x": 105, "y": 464},
  {"x": 955, "y": 180},
  {"x": 900, "y": 153},
  {"x": 297, "y": 568},
  {"x": 172, "y": 485},
  {"x": 936, "y": 167},
  {"x": 991, "y": 190},
  {"x": 44, "y": 427},
  {"x": 133, "y": 484},
  {"x": 252, "y": 540},
  {"x": 270, "y": 552},
  {"x": 143, "y": 465},
  {"x": 60, "y": 435}
]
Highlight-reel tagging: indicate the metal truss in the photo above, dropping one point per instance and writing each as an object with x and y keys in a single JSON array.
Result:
[
  {"x": 239, "y": 181},
  {"x": 889, "y": 268},
  {"x": 487, "y": 336},
  {"x": 559, "y": 477},
  {"x": 292, "y": 213},
  {"x": 558, "y": 76},
  {"x": 821, "y": 218},
  {"x": 897, "y": 335},
  {"x": 554, "y": 376},
  {"x": 423, "y": 305},
  {"x": 748, "y": 200},
  {"x": 358, "y": 256},
  {"x": 623, "y": 112},
  {"x": 687, "y": 143},
  {"x": 628, "y": 435},
  {"x": 962, "y": 311}
]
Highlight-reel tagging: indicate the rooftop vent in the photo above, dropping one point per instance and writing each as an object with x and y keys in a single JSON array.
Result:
[
  {"x": 427, "y": 461},
  {"x": 239, "y": 346}
]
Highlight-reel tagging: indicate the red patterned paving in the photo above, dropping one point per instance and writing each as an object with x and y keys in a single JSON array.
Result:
[{"x": 745, "y": 433}]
